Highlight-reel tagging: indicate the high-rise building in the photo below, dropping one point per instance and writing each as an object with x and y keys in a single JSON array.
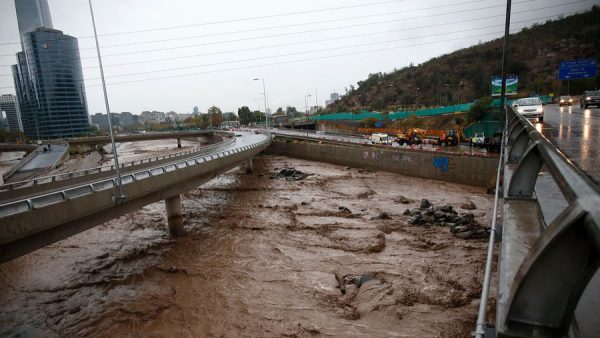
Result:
[
  {"x": 196, "y": 110},
  {"x": 48, "y": 76},
  {"x": 10, "y": 107},
  {"x": 32, "y": 14}
]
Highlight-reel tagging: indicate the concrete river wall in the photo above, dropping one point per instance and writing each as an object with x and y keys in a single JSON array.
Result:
[{"x": 456, "y": 168}]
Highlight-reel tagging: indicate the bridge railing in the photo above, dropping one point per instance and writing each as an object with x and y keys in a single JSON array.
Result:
[
  {"x": 111, "y": 168},
  {"x": 43, "y": 200},
  {"x": 543, "y": 268}
]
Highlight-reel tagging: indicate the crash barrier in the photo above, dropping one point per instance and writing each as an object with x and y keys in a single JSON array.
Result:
[
  {"x": 19, "y": 165},
  {"x": 395, "y": 115},
  {"x": 91, "y": 187},
  {"x": 543, "y": 268},
  {"x": 110, "y": 169}
]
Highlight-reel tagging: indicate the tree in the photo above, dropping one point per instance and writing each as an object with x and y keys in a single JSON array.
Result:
[
  {"x": 245, "y": 115},
  {"x": 478, "y": 110},
  {"x": 215, "y": 116},
  {"x": 279, "y": 112},
  {"x": 291, "y": 112}
]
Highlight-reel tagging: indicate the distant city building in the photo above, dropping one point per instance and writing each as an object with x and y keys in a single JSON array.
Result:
[
  {"x": 48, "y": 76},
  {"x": 119, "y": 120},
  {"x": 127, "y": 119},
  {"x": 3, "y": 125},
  {"x": 171, "y": 116},
  {"x": 10, "y": 107},
  {"x": 183, "y": 117},
  {"x": 332, "y": 98},
  {"x": 100, "y": 120},
  {"x": 196, "y": 110},
  {"x": 153, "y": 117}
]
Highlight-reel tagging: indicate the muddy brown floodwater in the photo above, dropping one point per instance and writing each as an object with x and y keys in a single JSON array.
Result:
[{"x": 259, "y": 261}]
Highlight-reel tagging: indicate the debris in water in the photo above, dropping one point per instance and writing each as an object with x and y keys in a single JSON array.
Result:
[
  {"x": 424, "y": 204},
  {"x": 403, "y": 200},
  {"x": 468, "y": 206},
  {"x": 344, "y": 209},
  {"x": 291, "y": 174},
  {"x": 341, "y": 283}
]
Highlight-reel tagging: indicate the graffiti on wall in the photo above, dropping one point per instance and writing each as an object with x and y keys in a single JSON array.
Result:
[{"x": 441, "y": 163}]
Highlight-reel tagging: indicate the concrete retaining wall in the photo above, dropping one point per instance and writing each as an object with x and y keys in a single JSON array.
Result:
[{"x": 476, "y": 171}]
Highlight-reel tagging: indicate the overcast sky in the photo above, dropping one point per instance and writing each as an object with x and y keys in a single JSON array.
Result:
[{"x": 204, "y": 53}]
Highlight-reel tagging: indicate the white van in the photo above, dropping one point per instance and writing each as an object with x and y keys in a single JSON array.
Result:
[{"x": 380, "y": 138}]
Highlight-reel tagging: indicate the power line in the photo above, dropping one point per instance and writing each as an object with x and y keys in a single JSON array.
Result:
[
  {"x": 239, "y": 19},
  {"x": 305, "y": 52},
  {"x": 296, "y": 24},
  {"x": 319, "y": 30},
  {"x": 312, "y": 51},
  {"x": 305, "y": 59},
  {"x": 293, "y": 61}
]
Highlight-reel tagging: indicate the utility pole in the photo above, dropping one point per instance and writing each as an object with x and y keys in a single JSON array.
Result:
[
  {"x": 120, "y": 197},
  {"x": 306, "y": 107},
  {"x": 505, "y": 56}
]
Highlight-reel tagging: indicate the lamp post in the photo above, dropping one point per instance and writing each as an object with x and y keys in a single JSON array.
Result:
[
  {"x": 417, "y": 98},
  {"x": 266, "y": 105},
  {"x": 118, "y": 200},
  {"x": 458, "y": 85},
  {"x": 306, "y": 107}
]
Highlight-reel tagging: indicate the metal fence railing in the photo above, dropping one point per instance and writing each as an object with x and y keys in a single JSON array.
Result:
[
  {"x": 543, "y": 268},
  {"x": 92, "y": 186},
  {"x": 111, "y": 168}
]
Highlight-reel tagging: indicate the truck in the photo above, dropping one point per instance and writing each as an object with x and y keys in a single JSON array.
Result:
[{"x": 380, "y": 138}]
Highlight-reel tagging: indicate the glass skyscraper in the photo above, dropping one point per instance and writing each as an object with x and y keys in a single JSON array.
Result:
[{"x": 48, "y": 76}]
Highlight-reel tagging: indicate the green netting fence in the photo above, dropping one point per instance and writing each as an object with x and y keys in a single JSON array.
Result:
[
  {"x": 483, "y": 128},
  {"x": 394, "y": 115}
]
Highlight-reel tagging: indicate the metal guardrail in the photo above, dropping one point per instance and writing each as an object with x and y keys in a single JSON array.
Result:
[
  {"x": 43, "y": 200},
  {"x": 543, "y": 268},
  {"x": 85, "y": 172}
]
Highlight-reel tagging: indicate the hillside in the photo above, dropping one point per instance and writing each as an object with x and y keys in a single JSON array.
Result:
[{"x": 535, "y": 53}]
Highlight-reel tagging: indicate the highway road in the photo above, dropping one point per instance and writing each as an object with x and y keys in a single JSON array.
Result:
[{"x": 576, "y": 132}]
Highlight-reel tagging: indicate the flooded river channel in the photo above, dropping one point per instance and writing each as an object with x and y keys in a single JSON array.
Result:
[{"x": 260, "y": 259}]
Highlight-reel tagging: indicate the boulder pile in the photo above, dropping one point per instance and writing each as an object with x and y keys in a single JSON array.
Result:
[{"x": 461, "y": 224}]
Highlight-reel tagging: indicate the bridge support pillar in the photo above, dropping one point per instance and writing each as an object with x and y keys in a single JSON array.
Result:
[
  {"x": 174, "y": 215},
  {"x": 178, "y": 142},
  {"x": 248, "y": 166}
]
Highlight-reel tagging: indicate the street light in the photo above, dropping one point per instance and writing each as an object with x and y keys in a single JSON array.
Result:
[
  {"x": 306, "y": 107},
  {"x": 460, "y": 84},
  {"x": 266, "y": 105},
  {"x": 120, "y": 197}
]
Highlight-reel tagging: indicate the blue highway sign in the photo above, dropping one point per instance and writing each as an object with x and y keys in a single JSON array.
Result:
[{"x": 577, "y": 69}]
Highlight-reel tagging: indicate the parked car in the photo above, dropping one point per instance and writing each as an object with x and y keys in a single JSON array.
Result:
[
  {"x": 530, "y": 107},
  {"x": 590, "y": 98},
  {"x": 565, "y": 100}
]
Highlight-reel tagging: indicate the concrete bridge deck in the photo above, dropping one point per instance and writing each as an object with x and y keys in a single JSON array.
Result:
[{"x": 45, "y": 217}]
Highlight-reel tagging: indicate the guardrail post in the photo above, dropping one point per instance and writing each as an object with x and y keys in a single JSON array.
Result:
[
  {"x": 174, "y": 215},
  {"x": 525, "y": 175},
  {"x": 179, "y": 142}
]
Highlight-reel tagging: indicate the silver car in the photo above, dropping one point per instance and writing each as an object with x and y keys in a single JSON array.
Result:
[{"x": 530, "y": 107}]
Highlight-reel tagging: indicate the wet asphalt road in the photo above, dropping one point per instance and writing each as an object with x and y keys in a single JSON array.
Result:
[{"x": 576, "y": 132}]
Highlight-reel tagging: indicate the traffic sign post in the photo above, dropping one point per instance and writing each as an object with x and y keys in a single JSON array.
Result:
[{"x": 577, "y": 69}]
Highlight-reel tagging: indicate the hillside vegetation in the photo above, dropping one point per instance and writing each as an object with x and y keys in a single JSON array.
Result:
[{"x": 534, "y": 55}]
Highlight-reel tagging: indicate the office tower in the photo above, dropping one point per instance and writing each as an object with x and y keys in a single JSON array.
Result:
[
  {"x": 9, "y": 105},
  {"x": 48, "y": 76}
]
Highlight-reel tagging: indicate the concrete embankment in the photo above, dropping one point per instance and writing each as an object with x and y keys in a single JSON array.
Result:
[{"x": 456, "y": 168}]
